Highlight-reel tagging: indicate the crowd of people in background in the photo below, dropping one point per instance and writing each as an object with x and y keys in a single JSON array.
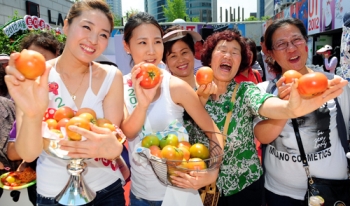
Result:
[{"x": 250, "y": 174}]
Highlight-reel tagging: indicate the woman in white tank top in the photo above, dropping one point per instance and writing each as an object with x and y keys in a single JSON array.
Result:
[
  {"x": 80, "y": 83},
  {"x": 156, "y": 108}
]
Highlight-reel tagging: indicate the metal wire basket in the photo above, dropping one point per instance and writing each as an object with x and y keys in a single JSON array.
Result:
[{"x": 164, "y": 168}]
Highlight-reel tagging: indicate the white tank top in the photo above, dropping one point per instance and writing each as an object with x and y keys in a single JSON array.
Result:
[
  {"x": 160, "y": 114},
  {"x": 52, "y": 174}
]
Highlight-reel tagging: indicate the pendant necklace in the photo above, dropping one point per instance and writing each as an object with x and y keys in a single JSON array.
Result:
[{"x": 73, "y": 94}]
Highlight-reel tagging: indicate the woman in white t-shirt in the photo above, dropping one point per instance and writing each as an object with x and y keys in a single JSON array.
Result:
[{"x": 285, "y": 177}]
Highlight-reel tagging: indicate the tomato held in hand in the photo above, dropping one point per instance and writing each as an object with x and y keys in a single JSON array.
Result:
[
  {"x": 204, "y": 76},
  {"x": 63, "y": 112},
  {"x": 62, "y": 123},
  {"x": 79, "y": 122},
  {"x": 312, "y": 84},
  {"x": 150, "y": 74},
  {"x": 31, "y": 64},
  {"x": 290, "y": 75},
  {"x": 199, "y": 150},
  {"x": 86, "y": 110}
]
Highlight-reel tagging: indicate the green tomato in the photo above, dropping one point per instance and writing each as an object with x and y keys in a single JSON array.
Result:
[
  {"x": 170, "y": 139},
  {"x": 150, "y": 140}
]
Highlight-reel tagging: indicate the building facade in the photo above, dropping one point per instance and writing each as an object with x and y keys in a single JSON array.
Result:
[
  {"x": 260, "y": 6},
  {"x": 155, "y": 8},
  {"x": 205, "y": 10},
  {"x": 116, "y": 6},
  {"x": 269, "y": 8},
  {"x": 51, "y": 11}
]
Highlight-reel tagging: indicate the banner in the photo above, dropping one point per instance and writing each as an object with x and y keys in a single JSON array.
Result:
[
  {"x": 314, "y": 17},
  {"x": 303, "y": 12},
  {"x": 341, "y": 7},
  {"x": 327, "y": 18}
]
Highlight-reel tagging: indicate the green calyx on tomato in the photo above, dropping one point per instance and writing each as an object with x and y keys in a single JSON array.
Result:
[
  {"x": 170, "y": 139},
  {"x": 150, "y": 74},
  {"x": 150, "y": 140},
  {"x": 170, "y": 152}
]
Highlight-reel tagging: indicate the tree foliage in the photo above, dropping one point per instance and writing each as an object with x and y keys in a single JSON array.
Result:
[
  {"x": 175, "y": 9},
  {"x": 252, "y": 18},
  {"x": 265, "y": 18}
]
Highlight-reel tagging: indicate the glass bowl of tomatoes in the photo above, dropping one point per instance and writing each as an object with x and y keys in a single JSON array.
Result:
[{"x": 181, "y": 156}]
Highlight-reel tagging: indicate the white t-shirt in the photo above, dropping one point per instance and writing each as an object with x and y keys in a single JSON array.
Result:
[
  {"x": 52, "y": 174},
  {"x": 160, "y": 114},
  {"x": 285, "y": 174},
  {"x": 269, "y": 75}
]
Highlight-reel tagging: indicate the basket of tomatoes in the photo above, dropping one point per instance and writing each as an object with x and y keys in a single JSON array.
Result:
[{"x": 169, "y": 154}]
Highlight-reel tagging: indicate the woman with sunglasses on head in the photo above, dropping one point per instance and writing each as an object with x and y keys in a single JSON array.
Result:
[{"x": 285, "y": 177}]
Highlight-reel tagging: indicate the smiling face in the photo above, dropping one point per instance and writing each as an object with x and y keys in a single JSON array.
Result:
[
  {"x": 180, "y": 60},
  {"x": 226, "y": 59},
  {"x": 87, "y": 35},
  {"x": 293, "y": 57},
  {"x": 145, "y": 44}
]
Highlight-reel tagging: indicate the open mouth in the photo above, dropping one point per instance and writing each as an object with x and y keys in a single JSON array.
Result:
[
  {"x": 294, "y": 59},
  {"x": 225, "y": 67}
]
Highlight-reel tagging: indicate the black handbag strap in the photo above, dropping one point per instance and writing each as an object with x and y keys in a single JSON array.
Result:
[{"x": 300, "y": 143}]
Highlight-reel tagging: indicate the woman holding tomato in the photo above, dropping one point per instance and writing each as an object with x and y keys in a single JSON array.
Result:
[
  {"x": 285, "y": 178},
  {"x": 151, "y": 110},
  {"x": 80, "y": 83},
  {"x": 240, "y": 178}
]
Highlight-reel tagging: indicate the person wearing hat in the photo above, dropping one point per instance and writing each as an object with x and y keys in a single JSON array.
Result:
[
  {"x": 179, "y": 53},
  {"x": 326, "y": 52}
]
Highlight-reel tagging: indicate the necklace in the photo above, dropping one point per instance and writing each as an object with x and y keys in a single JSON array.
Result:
[{"x": 73, "y": 94}]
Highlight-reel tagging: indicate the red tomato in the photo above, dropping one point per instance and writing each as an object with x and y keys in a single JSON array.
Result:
[
  {"x": 150, "y": 74},
  {"x": 290, "y": 75},
  {"x": 170, "y": 152},
  {"x": 101, "y": 121},
  {"x": 51, "y": 123},
  {"x": 199, "y": 150},
  {"x": 184, "y": 144},
  {"x": 63, "y": 112},
  {"x": 108, "y": 126},
  {"x": 312, "y": 84},
  {"x": 89, "y": 117},
  {"x": 150, "y": 140},
  {"x": 31, "y": 64},
  {"x": 79, "y": 122},
  {"x": 186, "y": 151},
  {"x": 86, "y": 110},
  {"x": 155, "y": 151},
  {"x": 62, "y": 123},
  {"x": 204, "y": 76},
  {"x": 196, "y": 164}
]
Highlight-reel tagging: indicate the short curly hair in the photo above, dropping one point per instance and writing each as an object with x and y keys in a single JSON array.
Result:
[
  {"x": 228, "y": 35},
  {"x": 45, "y": 40}
]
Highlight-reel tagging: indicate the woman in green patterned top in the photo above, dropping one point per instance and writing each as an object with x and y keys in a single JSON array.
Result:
[{"x": 240, "y": 178}]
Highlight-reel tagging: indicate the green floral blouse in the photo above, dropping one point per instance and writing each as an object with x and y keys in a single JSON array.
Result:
[{"x": 241, "y": 166}]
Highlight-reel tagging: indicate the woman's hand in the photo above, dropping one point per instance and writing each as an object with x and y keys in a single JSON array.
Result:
[
  {"x": 31, "y": 96},
  {"x": 99, "y": 143},
  {"x": 283, "y": 89},
  {"x": 144, "y": 96},
  {"x": 195, "y": 179},
  {"x": 299, "y": 106},
  {"x": 204, "y": 91}
]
